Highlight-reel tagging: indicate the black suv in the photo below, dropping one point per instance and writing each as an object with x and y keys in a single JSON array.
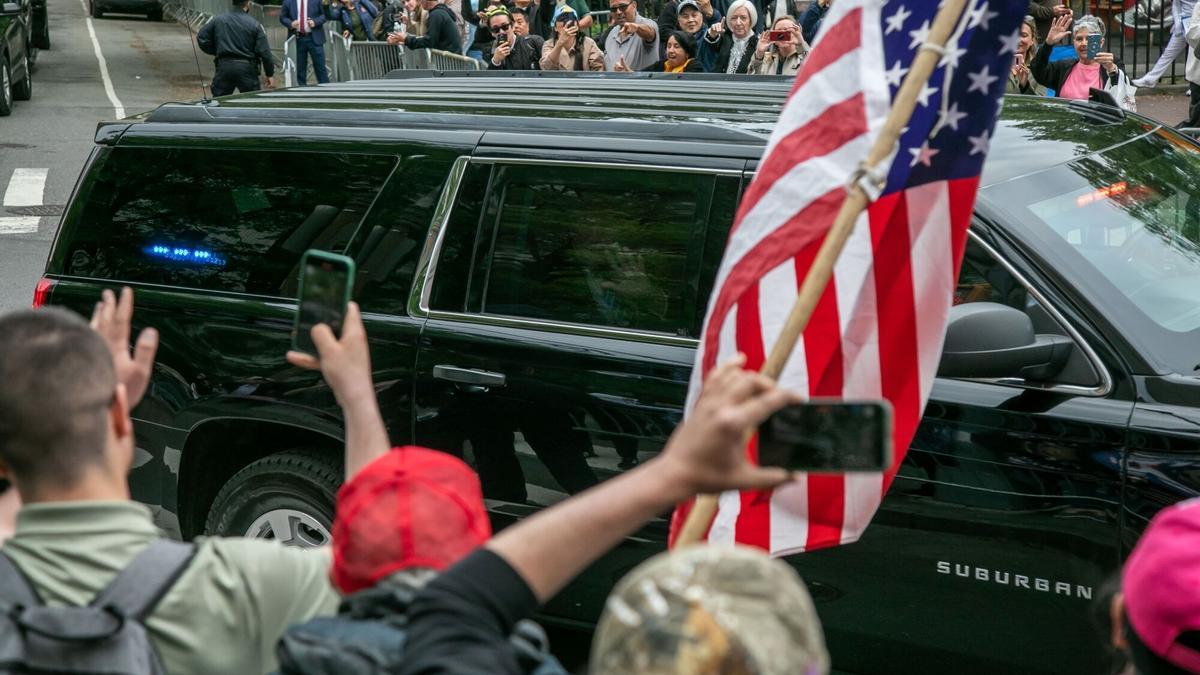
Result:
[
  {"x": 534, "y": 260},
  {"x": 17, "y": 53}
]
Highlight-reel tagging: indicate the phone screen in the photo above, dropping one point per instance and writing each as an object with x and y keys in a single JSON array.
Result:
[
  {"x": 1093, "y": 46},
  {"x": 829, "y": 436},
  {"x": 324, "y": 292}
]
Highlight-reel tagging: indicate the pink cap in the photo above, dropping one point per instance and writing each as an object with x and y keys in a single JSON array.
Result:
[{"x": 1161, "y": 583}]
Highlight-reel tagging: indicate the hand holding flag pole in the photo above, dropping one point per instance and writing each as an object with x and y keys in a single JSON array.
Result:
[{"x": 859, "y": 195}]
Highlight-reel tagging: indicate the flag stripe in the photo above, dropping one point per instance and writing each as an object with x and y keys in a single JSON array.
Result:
[{"x": 878, "y": 327}]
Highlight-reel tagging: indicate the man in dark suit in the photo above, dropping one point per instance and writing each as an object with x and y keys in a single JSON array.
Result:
[{"x": 303, "y": 19}]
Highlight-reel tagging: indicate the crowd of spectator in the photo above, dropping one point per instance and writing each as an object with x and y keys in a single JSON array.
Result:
[{"x": 726, "y": 36}]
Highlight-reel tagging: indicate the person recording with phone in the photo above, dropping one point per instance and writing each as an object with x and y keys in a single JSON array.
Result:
[
  {"x": 1091, "y": 69},
  {"x": 1020, "y": 80},
  {"x": 569, "y": 50},
  {"x": 511, "y": 51},
  {"x": 780, "y": 50}
]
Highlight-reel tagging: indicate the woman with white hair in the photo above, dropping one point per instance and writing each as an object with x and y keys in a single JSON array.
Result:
[
  {"x": 1091, "y": 69},
  {"x": 728, "y": 45}
]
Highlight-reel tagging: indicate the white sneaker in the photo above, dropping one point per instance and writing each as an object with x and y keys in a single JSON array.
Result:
[{"x": 1145, "y": 83}]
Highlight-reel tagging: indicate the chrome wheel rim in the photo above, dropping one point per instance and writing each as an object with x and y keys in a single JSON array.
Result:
[
  {"x": 290, "y": 527},
  {"x": 6, "y": 86}
]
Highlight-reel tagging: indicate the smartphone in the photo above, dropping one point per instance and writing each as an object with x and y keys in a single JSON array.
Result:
[
  {"x": 778, "y": 36},
  {"x": 828, "y": 436},
  {"x": 1093, "y": 46},
  {"x": 325, "y": 283},
  {"x": 1020, "y": 59}
]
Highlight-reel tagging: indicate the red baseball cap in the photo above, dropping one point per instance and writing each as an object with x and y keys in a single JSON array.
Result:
[
  {"x": 1161, "y": 583},
  {"x": 413, "y": 507}
]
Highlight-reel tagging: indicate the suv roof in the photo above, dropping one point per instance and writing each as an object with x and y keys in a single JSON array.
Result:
[{"x": 1033, "y": 133}]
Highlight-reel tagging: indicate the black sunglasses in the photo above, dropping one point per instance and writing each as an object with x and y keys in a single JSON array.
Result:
[
  {"x": 496, "y": 30},
  {"x": 619, "y": 8}
]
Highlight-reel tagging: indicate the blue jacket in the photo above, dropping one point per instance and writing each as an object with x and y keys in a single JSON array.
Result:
[
  {"x": 810, "y": 21},
  {"x": 366, "y": 11},
  {"x": 290, "y": 11}
]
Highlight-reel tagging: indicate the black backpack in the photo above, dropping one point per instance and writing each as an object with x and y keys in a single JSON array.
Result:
[
  {"x": 106, "y": 636},
  {"x": 367, "y": 638}
]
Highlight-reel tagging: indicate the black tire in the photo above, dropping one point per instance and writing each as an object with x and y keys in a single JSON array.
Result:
[
  {"x": 24, "y": 90},
  {"x": 6, "y": 87},
  {"x": 96, "y": 11},
  {"x": 44, "y": 37},
  {"x": 297, "y": 487},
  {"x": 155, "y": 14}
]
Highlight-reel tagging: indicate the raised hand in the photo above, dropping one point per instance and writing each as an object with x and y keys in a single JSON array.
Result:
[
  {"x": 1059, "y": 29},
  {"x": 112, "y": 319}
]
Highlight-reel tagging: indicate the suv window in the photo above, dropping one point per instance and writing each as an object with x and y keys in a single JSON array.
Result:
[
  {"x": 226, "y": 220},
  {"x": 603, "y": 247}
]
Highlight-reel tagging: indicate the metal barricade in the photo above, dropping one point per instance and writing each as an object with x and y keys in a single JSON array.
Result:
[
  {"x": 289, "y": 62},
  {"x": 373, "y": 60},
  {"x": 440, "y": 60}
]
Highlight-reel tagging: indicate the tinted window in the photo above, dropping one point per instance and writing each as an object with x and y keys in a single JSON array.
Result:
[
  {"x": 1123, "y": 227},
  {"x": 458, "y": 254},
  {"x": 225, "y": 220},
  {"x": 392, "y": 237},
  {"x": 605, "y": 247}
]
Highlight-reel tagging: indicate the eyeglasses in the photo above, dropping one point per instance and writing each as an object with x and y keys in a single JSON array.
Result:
[
  {"x": 496, "y": 30},
  {"x": 619, "y": 8}
]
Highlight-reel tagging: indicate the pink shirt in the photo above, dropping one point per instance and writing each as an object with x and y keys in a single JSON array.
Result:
[{"x": 1079, "y": 80}]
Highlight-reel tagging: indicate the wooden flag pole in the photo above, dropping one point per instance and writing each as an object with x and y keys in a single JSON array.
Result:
[{"x": 922, "y": 69}]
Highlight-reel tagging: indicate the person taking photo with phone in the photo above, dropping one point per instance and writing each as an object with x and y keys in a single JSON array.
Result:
[
  {"x": 511, "y": 51},
  {"x": 1091, "y": 68},
  {"x": 569, "y": 50},
  {"x": 1020, "y": 80},
  {"x": 780, "y": 50}
]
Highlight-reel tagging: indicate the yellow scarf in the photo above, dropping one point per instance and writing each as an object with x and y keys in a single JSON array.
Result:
[{"x": 667, "y": 67}]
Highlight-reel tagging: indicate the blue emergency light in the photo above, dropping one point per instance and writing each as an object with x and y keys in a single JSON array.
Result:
[{"x": 184, "y": 254}]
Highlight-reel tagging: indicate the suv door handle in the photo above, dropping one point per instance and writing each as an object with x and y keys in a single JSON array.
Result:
[{"x": 476, "y": 380}]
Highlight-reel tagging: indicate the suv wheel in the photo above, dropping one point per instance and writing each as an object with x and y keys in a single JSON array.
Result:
[
  {"x": 43, "y": 41},
  {"x": 96, "y": 11},
  {"x": 287, "y": 497},
  {"x": 155, "y": 14},
  {"x": 24, "y": 90},
  {"x": 6, "y": 88}
]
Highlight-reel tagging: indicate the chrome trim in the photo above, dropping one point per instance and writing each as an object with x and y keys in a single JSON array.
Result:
[
  {"x": 568, "y": 328},
  {"x": 1106, "y": 382},
  {"x": 418, "y": 300},
  {"x": 605, "y": 165}
]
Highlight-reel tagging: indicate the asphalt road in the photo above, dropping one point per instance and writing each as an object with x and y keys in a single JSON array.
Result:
[{"x": 147, "y": 63}]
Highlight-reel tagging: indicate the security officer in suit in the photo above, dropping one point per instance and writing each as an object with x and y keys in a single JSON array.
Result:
[
  {"x": 240, "y": 44},
  {"x": 303, "y": 19}
]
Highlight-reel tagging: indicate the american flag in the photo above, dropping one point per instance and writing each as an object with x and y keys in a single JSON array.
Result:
[{"x": 877, "y": 331}]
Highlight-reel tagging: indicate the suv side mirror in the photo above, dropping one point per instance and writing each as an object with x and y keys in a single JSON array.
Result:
[
  {"x": 9, "y": 8},
  {"x": 987, "y": 339}
]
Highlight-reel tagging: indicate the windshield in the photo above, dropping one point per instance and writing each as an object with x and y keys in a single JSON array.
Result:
[{"x": 1123, "y": 226}]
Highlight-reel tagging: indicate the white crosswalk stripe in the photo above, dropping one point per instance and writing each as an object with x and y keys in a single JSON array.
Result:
[{"x": 26, "y": 187}]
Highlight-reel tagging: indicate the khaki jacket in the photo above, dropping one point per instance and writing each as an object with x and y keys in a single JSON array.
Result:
[{"x": 585, "y": 56}]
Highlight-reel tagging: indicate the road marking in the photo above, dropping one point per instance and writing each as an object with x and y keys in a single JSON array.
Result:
[
  {"x": 26, "y": 187},
  {"x": 19, "y": 225},
  {"x": 108, "y": 85}
]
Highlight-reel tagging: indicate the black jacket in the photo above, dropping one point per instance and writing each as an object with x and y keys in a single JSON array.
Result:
[
  {"x": 722, "y": 48},
  {"x": 526, "y": 55},
  {"x": 441, "y": 32},
  {"x": 234, "y": 35},
  {"x": 660, "y": 67},
  {"x": 1054, "y": 75}
]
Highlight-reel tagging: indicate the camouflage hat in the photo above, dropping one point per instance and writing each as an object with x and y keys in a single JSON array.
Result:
[{"x": 710, "y": 609}]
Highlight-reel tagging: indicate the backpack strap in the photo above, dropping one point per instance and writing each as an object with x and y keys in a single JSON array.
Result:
[
  {"x": 146, "y": 579},
  {"x": 15, "y": 587}
]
